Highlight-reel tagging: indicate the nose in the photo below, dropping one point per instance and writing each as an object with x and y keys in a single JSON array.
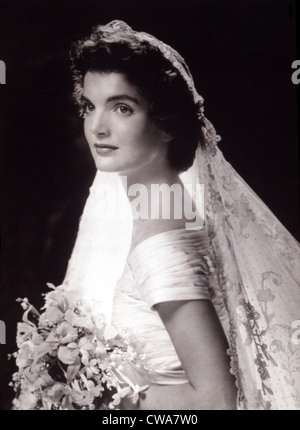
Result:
[{"x": 99, "y": 124}]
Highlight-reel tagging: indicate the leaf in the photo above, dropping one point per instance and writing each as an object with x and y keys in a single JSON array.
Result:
[
  {"x": 276, "y": 345},
  {"x": 295, "y": 359},
  {"x": 41, "y": 350},
  {"x": 265, "y": 295},
  {"x": 269, "y": 390},
  {"x": 269, "y": 317},
  {"x": 73, "y": 369},
  {"x": 274, "y": 362}
]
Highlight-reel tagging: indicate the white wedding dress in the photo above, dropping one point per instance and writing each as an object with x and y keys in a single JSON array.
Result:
[
  {"x": 164, "y": 267},
  {"x": 255, "y": 288}
]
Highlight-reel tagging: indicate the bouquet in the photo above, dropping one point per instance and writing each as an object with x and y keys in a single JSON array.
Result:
[{"x": 69, "y": 359}]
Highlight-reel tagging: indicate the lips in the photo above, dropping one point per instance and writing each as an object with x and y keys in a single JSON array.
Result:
[
  {"x": 104, "y": 149},
  {"x": 104, "y": 146}
]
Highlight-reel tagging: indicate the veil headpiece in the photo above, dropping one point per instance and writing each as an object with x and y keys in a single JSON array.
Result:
[{"x": 256, "y": 285}]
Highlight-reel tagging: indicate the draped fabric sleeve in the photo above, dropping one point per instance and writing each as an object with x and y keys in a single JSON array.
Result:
[{"x": 172, "y": 266}]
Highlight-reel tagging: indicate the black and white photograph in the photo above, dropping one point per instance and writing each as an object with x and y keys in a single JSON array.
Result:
[{"x": 150, "y": 231}]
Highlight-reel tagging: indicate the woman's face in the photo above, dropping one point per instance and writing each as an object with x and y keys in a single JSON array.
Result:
[{"x": 121, "y": 135}]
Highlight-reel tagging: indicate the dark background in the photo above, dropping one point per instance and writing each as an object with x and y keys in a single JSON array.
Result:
[{"x": 240, "y": 54}]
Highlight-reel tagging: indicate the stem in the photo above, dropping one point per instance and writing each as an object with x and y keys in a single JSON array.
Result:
[{"x": 126, "y": 379}]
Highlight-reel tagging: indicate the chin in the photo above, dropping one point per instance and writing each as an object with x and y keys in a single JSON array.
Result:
[{"x": 106, "y": 167}]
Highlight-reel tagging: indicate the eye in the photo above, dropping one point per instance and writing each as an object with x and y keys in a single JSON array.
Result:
[
  {"x": 124, "y": 110},
  {"x": 88, "y": 107}
]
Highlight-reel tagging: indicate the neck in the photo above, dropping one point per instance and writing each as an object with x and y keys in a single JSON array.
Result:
[
  {"x": 148, "y": 192},
  {"x": 168, "y": 177},
  {"x": 156, "y": 171}
]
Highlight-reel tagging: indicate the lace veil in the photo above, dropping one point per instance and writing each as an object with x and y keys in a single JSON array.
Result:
[{"x": 256, "y": 282}]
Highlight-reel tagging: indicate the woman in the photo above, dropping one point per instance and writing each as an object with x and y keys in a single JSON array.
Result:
[{"x": 184, "y": 290}]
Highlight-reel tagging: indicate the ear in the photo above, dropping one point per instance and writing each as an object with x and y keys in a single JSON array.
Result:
[{"x": 166, "y": 137}]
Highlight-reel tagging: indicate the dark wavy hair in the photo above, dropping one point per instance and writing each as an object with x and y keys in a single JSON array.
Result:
[{"x": 171, "y": 104}]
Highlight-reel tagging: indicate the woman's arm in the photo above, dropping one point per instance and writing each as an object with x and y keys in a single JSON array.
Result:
[{"x": 201, "y": 346}]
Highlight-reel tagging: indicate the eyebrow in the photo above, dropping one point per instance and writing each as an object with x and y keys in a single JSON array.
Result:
[{"x": 115, "y": 98}]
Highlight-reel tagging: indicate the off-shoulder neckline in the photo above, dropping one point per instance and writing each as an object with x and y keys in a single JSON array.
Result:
[{"x": 160, "y": 235}]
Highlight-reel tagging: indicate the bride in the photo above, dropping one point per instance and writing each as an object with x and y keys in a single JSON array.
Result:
[{"x": 206, "y": 283}]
